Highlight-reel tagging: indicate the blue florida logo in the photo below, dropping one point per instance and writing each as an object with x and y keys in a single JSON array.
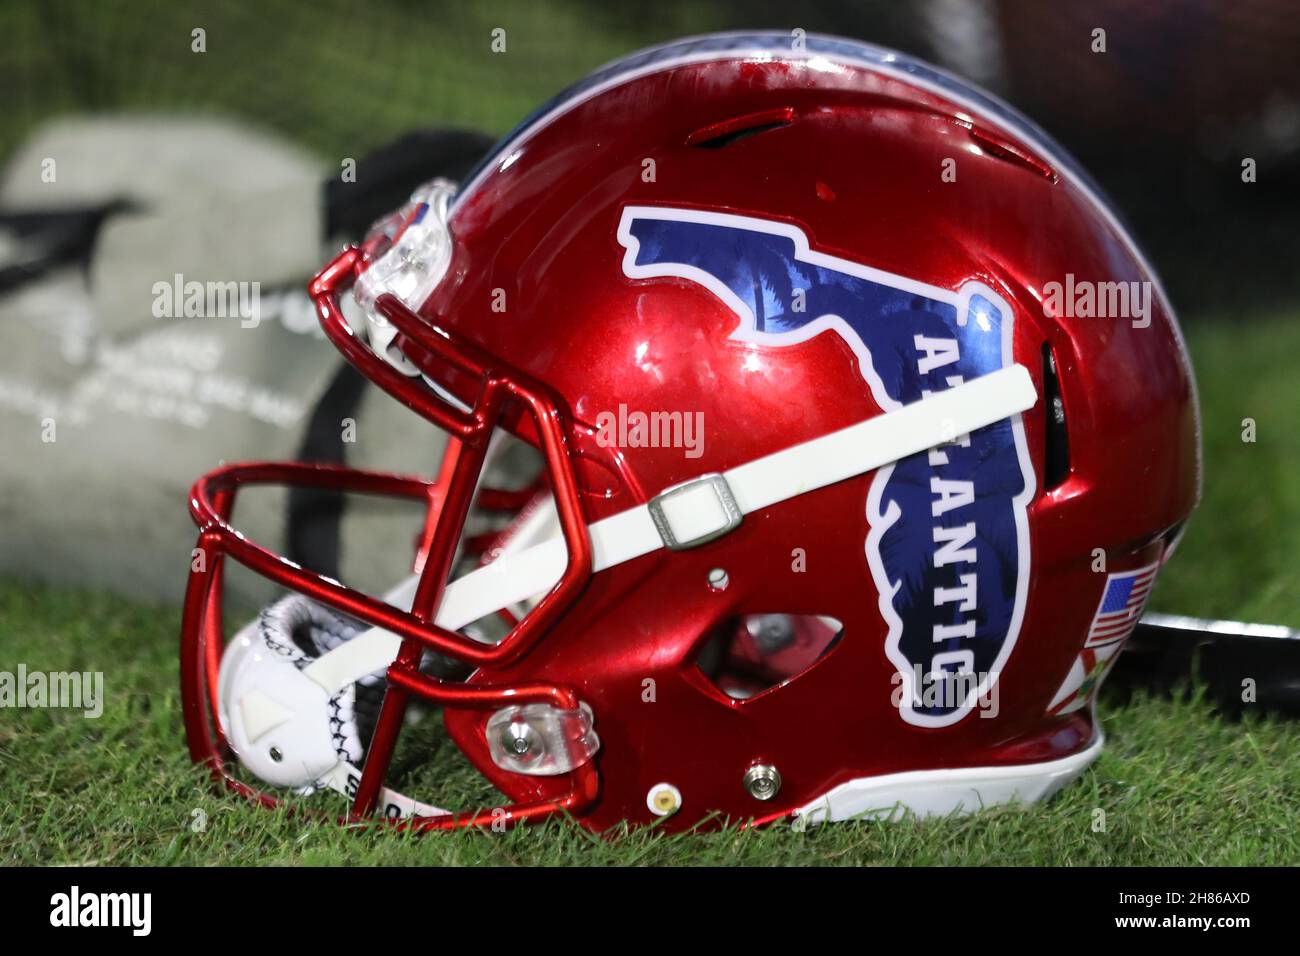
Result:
[{"x": 947, "y": 539}]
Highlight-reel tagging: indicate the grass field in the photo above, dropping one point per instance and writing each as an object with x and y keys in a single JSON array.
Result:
[{"x": 1177, "y": 784}]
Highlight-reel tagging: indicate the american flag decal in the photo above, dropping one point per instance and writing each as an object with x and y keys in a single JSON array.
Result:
[
  {"x": 1121, "y": 605},
  {"x": 1122, "y": 601}
]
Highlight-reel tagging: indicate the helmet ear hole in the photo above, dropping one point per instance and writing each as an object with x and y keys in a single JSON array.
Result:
[{"x": 748, "y": 654}]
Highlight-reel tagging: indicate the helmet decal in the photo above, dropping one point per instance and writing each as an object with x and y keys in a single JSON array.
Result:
[
  {"x": 1123, "y": 600},
  {"x": 948, "y": 542}
]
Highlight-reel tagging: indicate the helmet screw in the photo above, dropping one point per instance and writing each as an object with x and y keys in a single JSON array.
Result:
[
  {"x": 763, "y": 781},
  {"x": 276, "y": 755},
  {"x": 519, "y": 738},
  {"x": 663, "y": 799}
]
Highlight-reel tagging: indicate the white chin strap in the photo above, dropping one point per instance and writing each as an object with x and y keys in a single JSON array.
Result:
[
  {"x": 699, "y": 510},
  {"x": 259, "y": 701}
]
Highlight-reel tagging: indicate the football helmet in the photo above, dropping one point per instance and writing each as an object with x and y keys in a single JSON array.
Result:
[{"x": 863, "y": 426}]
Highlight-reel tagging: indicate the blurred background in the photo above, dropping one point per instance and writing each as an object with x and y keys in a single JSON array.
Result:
[{"x": 1184, "y": 92}]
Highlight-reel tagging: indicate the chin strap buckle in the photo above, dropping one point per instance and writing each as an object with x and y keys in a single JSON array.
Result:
[{"x": 695, "y": 512}]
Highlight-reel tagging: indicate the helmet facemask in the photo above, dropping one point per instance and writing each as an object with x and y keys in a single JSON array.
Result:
[{"x": 298, "y": 718}]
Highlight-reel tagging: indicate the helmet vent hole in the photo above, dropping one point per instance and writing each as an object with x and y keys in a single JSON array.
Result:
[
  {"x": 1056, "y": 457},
  {"x": 723, "y": 134},
  {"x": 1007, "y": 152},
  {"x": 747, "y": 654}
]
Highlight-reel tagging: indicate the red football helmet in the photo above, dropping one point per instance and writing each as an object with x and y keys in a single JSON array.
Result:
[{"x": 865, "y": 425}]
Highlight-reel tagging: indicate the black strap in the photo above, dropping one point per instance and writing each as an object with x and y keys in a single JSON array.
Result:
[
  {"x": 387, "y": 177},
  {"x": 53, "y": 238},
  {"x": 385, "y": 180},
  {"x": 315, "y": 513}
]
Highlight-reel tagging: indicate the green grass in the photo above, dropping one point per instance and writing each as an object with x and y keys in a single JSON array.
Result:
[
  {"x": 1241, "y": 554},
  {"x": 1177, "y": 785}
]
